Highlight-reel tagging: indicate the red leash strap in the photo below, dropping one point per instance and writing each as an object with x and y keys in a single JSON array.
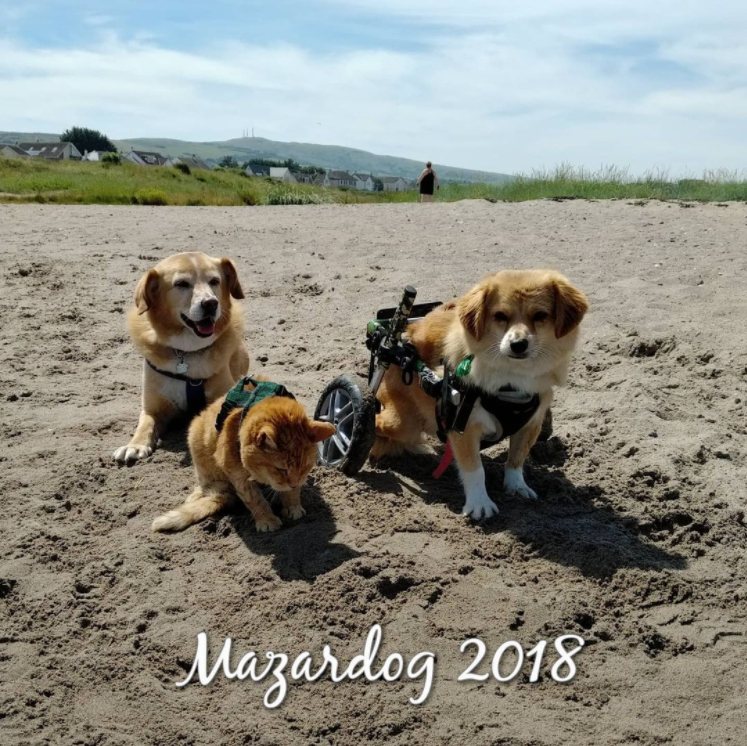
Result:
[{"x": 445, "y": 461}]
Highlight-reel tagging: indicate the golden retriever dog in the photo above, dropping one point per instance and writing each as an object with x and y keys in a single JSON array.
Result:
[
  {"x": 188, "y": 326},
  {"x": 521, "y": 327}
]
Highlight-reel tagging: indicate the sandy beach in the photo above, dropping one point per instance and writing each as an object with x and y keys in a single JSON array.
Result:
[{"x": 637, "y": 542}]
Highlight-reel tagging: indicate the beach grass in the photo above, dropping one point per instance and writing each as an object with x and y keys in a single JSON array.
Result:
[
  {"x": 74, "y": 182},
  {"x": 566, "y": 182}
]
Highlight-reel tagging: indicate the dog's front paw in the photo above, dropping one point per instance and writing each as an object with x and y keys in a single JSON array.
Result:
[
  {"x": 293, "y": 512},
  {"x": 268, "y": 523},
  {"x": 130, "y": 453},
  {"x": 514, "y": 484},
  {"x": 479, "y": 507}
]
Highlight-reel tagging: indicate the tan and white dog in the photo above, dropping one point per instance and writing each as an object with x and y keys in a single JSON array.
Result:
[
  {"x": 521, "y": 327},
  {"x": 188, "y": 326}
]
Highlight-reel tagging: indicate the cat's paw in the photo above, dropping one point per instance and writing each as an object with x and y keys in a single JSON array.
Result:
[
  {"x": 268, "y": 523},
  {"x": 293, "y": 512}
]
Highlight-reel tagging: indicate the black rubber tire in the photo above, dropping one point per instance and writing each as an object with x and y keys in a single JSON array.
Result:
[
  {"x": 546, "y": 429},
  {"x": 364, "y": 423}
]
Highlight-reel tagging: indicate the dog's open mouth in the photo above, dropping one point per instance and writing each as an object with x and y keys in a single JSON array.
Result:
[{"x": 202, "y": 328}]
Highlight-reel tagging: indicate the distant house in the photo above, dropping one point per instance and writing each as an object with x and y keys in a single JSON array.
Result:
[
  {"x": 145, "y": 158},
  {"x": 282, "y": 174},
  {"x": 52, "y": 151},
  {"x": 13, "y": 151},
  {"x": 394, "y": 183},
  {"x": 338, "y": 179},
  {"x": 364, "y": 182},
  {"x": 303, "y": 178},
  {"x": 254, "y": 170},
  {"x": 319, "y": 180},
  {"x": 191, "y": 161},
  {"x": 93, "y": 155}
]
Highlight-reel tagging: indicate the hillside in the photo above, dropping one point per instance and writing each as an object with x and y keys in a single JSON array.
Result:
[{"x": 327, "y": 156}]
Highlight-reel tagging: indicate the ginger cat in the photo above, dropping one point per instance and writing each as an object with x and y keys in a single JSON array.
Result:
[{"x": 272, "y": 442}]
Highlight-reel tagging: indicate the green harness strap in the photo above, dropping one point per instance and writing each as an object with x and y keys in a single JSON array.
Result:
[{"x": 240, "y": 398}]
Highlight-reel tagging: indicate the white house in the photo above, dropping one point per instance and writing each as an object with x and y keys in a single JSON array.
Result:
[
  {"x": 145, "y": 158},
  {"x": 52, "y": 151},
  {"x": 281, "y": 173},
  {"x": 364, "y": 182},
  {"x": 394, "y": 183}
]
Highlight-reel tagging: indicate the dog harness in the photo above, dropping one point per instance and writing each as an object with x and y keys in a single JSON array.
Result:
[
  {"x": 240, "y": 398},
  {"x": 512, "y": 408},
  {"x": 195, "y": 389}
]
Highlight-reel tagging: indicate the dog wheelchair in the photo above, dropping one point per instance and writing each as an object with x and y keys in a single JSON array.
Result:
[{"x": 351, "y": 406}]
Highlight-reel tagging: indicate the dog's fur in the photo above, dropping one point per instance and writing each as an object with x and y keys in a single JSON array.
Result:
[
  {"x": 539, "y": 307},
  {"x": 172, "y": 300},
  {"x": 275, "y": 445}
]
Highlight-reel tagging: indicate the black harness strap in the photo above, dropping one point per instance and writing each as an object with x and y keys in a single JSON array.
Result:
[
  {"x": 510, "y": 407},
  {"x": 195, "y": 389}
]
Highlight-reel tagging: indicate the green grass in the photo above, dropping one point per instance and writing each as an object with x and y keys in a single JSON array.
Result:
[
  {"x": 96, "y": 183},
  {"x": 566, "y": 182}
]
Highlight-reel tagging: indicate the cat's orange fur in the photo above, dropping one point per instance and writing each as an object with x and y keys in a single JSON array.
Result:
[{"x": 274, "y": 445}]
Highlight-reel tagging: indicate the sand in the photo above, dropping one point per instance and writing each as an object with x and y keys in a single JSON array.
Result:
[{"x": 637, "y": 543}]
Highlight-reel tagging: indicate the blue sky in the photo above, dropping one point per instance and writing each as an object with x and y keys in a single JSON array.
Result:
[{"x": 484, "y": 84}]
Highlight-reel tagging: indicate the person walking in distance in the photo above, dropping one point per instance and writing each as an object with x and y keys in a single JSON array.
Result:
[{"x": 428, "y": 182}]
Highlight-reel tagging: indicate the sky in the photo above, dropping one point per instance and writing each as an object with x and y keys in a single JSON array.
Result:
[{"x": 486, "y": 84}]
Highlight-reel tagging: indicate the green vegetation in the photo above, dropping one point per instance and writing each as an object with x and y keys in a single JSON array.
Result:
[
  {"x": 86, "y": 139},
  {"x": 77, "y": 182},
  {"x": 125, "y": 183},
  {"x": 566, "y": 182}
]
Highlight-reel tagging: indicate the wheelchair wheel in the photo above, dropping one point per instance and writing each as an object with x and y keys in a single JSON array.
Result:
[{"x": 351, "y": 408}]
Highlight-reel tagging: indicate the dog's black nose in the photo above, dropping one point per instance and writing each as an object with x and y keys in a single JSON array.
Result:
[
  {"x": 210, "y": 306},
  {"x": 519, "y": 346}
]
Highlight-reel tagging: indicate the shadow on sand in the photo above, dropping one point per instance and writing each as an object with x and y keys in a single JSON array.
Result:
[
  {"x": 571, "y": 525},
  {"x": 301, "y": 550}
]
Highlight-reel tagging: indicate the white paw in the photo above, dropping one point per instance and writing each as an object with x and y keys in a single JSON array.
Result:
[
  {"x": 478, "y": 507},
  {"x": 514, "y": 484},
  {"x": 294, "y": 512},
  {"x": 269, "y": 523},
  {"x": 129, "y": 454}
]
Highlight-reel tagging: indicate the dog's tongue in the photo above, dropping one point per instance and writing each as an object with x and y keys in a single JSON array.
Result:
[{"x": 206, "y": 326}]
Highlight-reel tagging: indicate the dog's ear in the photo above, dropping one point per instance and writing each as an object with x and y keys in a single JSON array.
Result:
[
  {"x": 474, "y": 309},
  {"x": 570, "y": 307},
  {"x": 232, "y": 278},
  {"x": 146, "y": 291}
]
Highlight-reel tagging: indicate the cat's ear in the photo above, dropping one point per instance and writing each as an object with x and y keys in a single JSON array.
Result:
[
  {"x": 319, "y": 431},
  {"x": 265, "y": 438}
]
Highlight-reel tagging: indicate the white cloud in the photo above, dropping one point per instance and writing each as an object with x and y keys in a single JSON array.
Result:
[{"x": 631, "y": 83}]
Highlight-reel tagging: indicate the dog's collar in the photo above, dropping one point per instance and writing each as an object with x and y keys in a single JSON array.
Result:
[{"x": 178, "y": 376}]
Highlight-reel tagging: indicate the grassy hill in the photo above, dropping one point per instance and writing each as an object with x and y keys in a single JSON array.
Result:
[{"x": 326, "y": 156}]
